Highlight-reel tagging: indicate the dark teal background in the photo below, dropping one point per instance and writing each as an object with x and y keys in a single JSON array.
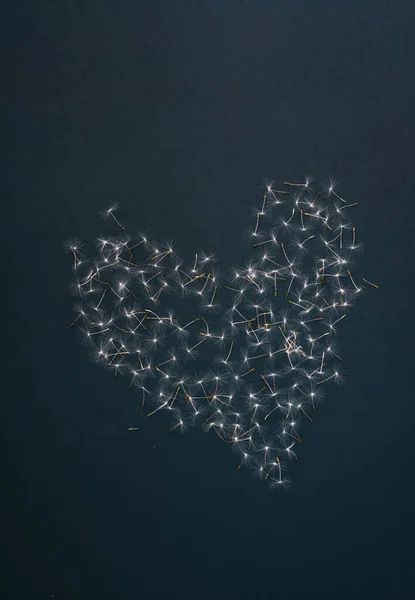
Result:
[{"x": 179, "y": 111}]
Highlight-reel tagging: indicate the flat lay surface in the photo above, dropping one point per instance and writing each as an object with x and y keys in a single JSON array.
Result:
[{"x": 190, "y": 117}]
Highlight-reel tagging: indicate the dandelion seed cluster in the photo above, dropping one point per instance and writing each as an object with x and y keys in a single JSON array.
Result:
[{"x": 248, "y": 358}]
